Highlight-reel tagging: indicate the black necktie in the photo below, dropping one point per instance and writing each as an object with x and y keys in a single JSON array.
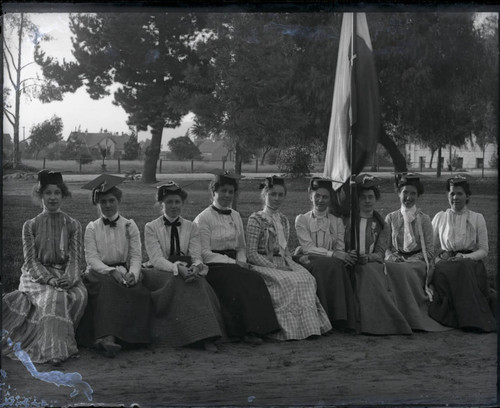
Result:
[
  {"x": 112, "y": 224},
  {"x": 175, "y": 246},
  {"x": 223, "y": 212}
]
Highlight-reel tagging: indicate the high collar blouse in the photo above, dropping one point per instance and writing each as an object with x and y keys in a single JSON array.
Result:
[
  {"x": 106, "y": 245},
  {"x": 464, "y": 231},
  {"x": 157, "y": 242},
  {"x": 320, "y": 235},
  {"x": 221, "y": 232}
]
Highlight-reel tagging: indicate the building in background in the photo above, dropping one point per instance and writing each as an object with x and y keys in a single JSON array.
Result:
[{"x": 114, "y": 143}]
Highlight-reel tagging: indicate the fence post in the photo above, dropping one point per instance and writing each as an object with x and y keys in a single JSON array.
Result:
[
  {"x": 192, "y": 166},
  {"x": 44, "y": 163},
  {"x": 256, "y": 165},
  {"x": 119, "y": 169},
  {"x": 160, "y": 165},
  {"x": 80, "y": 164},
  {"x": 223, "y": 165}
]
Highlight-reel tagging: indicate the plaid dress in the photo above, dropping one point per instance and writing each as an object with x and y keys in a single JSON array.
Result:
[
  {"x": 43, "y": 318},
  {"x": 293, "y": 293}
]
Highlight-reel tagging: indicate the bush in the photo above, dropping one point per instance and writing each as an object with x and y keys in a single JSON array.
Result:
[
  {"x": 494, "y": 161},
  {"x": 296, "y": 161}
]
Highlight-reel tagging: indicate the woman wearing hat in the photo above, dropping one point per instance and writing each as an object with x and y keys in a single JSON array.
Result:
[
  {"x": 462, "y": 298},
  {"x": 186, "y": 309},
  {"x": 292, "y": 288},
  {"x": 322, "y": 252},
  {"x": 43, "y": 314},
  {"x": 378, "y": 311},
  {"x": 410, "y": 255},
  {"x": 119, "y": 305},
  {"x": 246, "y": 304}
]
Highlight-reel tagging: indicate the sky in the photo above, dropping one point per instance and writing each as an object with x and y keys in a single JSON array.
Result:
[{"x": 77, "y": 110}]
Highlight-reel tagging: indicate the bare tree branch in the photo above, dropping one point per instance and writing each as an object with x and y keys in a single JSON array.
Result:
[{"x": 7, "y": 113}]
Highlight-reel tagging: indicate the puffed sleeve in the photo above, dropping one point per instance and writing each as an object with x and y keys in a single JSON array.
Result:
[
  {"x": 436, "y": 227},
  {"x": 390, "y": 250},
  {"x": 253, "y": 236},
  {"x": 481, "y": 239},
  {"x": 32, "y": 264},
  {"x": 241, "y": 251},
  {"x": 305, "y": 240},
  {"x": 155, "y": 253},
  {"x": 74, "y": 266},
  {"x": 134, "y": 248},
  {"x": 195, "y": 245},
  {"x": 91, "y": 253},
  {"x": 205, "y": 232}
]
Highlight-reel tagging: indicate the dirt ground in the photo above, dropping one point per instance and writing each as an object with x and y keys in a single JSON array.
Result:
[{"x": 453, "y": 368}]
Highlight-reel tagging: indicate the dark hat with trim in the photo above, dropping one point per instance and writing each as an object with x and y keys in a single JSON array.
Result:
[
  {"x": 46, "y": 177},
  {"x": 271, "y": 181},
  {"x": 169, "y": 188},
  {"x": 319, "y": 182},
  {"x": 226, "y": 177},
  {"x": 102, "y": 184},
  {"x": 368, "y": 181},
  {"x": 412, "y": 179},
  {"x": 458, "y": 180}
]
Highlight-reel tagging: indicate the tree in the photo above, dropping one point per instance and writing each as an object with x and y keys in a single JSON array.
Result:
[
  {"x": 132, "y": 148},
  {"x": 243, "y": 84},
  {"x": 7, "y": 147},
  {"x": 43, "y": 134},
  {"x": 78, "y": 151},
  {"x": 145, "y": 54},
  {"x": 184, "y": 148},
  {"x": 16, "y": 28}
]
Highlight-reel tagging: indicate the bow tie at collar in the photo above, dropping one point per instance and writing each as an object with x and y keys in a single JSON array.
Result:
[
  {"x": 168, "y": 223},
  {"x": 222, "y": 211},
  {"x": 317, "y": 214},
  {"x": 107, "y": 221}
]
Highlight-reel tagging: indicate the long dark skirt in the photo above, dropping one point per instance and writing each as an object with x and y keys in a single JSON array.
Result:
[
  {"x": 462, "y": 298},
  {"x": 334, "y": 290},
  {"x": 183, "y": 313},
  {"x": 114, "y": 310},
  {"x": 378, "y": 311},
  {"x": 408, "y": 280},
  {"x": 244, "y": 298}
]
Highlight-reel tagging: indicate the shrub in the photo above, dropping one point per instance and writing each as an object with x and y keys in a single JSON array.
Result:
[
  {"x": 494, "y": 161},
  {"x": 296, "y": 161}
]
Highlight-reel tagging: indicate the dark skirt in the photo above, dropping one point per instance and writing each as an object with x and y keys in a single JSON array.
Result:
[
  {"x": 244, "y": 298},
  {"x": 334, "y": 290},
  {"x": 114, "y": 310},
  {"x": 378, "y": 311},
  {"x": 462, "y": 298},
  {"x": 183, "y": 313}
]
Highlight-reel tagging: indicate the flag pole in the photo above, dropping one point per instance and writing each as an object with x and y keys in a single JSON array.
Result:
[{"x": 352, "y": 183}]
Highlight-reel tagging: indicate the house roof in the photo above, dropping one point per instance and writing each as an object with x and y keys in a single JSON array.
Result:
[{"x": 93, "y": 139}]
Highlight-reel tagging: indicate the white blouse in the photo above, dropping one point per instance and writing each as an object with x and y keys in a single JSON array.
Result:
[
  {"x": 464, "y": 231},
  {"x": 320, "y": 235},
  {"x": 105, "y": 245},
  {"x": 157, "y": 242},
  {"x": 220, "y": 232}
]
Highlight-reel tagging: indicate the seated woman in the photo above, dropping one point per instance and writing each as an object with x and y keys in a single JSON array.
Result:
[
  {"x": 186, "y": 309},
  {"x": 409, "y": 255},
  {"x": 246, "y": 304},
  {"x": 292, "y": 288},
  {"x": 378, "y": 311},
  {"x": 119, "y": 305},
  {"x": 321, "y": 251},
  {"x": 462, "y": 298},
  {"x": 43, "y": 314}
]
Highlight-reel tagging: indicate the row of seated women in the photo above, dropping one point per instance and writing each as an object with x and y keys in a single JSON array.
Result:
[{"x": 206, "y": 280}]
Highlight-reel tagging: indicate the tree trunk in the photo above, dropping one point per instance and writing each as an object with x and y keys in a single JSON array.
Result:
[
  {"x": 17, "y": 153},
  {"x": 151, "y": 155},
  {"x": 432, "y": 158},
  {"x": 237, "y": 170},
  {"x": 264, "y": 153},
  {"x": 438, "y": 174},
  {"x": 397, "y": 157}
]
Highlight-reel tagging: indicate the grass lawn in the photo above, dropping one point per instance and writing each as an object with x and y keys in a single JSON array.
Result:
[{"x": 138, "y": 203}]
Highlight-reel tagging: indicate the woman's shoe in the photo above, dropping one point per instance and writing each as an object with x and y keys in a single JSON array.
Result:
[
  {"x": 56, "y": 362},
  {"x": 211, "y": 347},
  {"x": 108, "y": 346},
  {"x": 251, "y": 339}
]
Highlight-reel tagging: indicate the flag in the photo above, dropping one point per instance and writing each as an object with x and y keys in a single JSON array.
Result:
[{"x": 355, "y": 107}]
